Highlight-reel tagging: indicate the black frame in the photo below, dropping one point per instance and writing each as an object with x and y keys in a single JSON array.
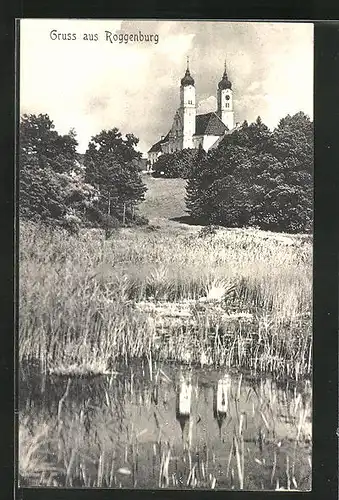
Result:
[{"x": 326, "y": 277}]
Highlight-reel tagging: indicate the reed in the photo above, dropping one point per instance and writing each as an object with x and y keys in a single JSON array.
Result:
[{"x": 237, "y": 298}]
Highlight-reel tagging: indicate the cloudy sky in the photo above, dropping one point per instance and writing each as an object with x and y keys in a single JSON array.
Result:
[{"x": 95, "y": 85}]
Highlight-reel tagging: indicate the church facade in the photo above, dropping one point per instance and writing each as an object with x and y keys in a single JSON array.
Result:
[{"x": 189, "y": 129}]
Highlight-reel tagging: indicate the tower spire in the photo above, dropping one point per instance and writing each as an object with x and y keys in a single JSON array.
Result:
[
  {"x": 187, "y": 80},
  {"x": 225, "y": 100},
  {"x": 225, "y": 82}
]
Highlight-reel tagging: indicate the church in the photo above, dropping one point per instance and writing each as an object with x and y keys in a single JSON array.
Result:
[{"x": 189, "y": 129}]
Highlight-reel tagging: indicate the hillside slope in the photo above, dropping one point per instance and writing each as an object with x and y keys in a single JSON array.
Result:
[{"x": 164, "y": 199}]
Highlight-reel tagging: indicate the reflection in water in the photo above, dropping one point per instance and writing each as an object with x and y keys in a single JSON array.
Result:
[
  {"x": 122, "y": 430},
  {"x": 185, "y": 395},
  {"x": 183, "y": 408},
  {"x": 221, "y": 400}
]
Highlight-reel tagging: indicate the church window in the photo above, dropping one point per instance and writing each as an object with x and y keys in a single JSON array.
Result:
[{"x": 227, "y": 105}]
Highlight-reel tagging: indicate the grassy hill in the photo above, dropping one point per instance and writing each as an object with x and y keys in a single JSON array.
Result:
[{"x": 164, "y": 199}]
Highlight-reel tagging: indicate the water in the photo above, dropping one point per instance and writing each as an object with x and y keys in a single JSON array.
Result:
[{"x": 164, "y": 426}]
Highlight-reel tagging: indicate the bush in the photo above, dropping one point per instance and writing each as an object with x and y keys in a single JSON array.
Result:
[{"x": 209, "y": 230}]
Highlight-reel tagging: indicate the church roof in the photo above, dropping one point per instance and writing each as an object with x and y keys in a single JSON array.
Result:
[
  {"x": 209, "y": 124},
  {"x": 157, "y": 146}
]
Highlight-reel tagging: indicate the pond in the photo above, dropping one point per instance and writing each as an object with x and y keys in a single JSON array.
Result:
[{"x": 155, "y": 425}]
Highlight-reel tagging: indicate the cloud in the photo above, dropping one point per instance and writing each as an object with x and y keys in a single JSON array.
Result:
[
  {"x": 207, "y": 105},
  {"x": 175, "y": 47},
  {"x": 92, "y": 85}
]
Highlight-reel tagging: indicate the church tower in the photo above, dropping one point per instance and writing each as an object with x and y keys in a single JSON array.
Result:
[
  {"x": 187, "y": 108},
  {"x": 225, "y": 101}
]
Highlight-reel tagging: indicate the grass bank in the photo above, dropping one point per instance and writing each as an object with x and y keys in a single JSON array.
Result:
[{"x": 236, "y": 298}]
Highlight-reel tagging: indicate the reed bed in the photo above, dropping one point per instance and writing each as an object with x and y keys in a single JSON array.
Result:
[{"x": 85, "y": 301}]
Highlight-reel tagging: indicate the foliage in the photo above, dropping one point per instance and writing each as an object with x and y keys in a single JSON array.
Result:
[
  {"x": 55, "y": 187},
  {"x": 112, "y": 167},
  {"x": 175, "y": 165},
  {"x": 51, "y": 187},
  {"x": 195, "y": 185},
  {"x": 257, "y": 177},
  {"x": 38, "y": 139}
]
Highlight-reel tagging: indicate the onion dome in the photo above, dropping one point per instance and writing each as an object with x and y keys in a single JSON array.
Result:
[
  {"x": 225, "y": 82},
  {"x": 187, "y": 80}
]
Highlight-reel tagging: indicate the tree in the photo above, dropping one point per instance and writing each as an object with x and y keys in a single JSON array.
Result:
[
  {"x": 111, "y": 166},
  {"x": 163, "y": 167},
  {"x": 177, "y": 165},
  {"x": 253, "y": 137},
  {"x": 230, "y": 204},
  {"x": 257, "y": 177},
  {"x": 194, "y": 184},
  {"x": 207, "y": 187},
  {"x": 41, "y": 197},
  {"x": 46, "y": 160},
  {"x": 292, "y": 144},
  {"x": 39, "y": 138}
]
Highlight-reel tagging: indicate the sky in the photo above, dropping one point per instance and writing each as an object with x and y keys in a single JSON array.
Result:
[{"x": 91, "y": 85}]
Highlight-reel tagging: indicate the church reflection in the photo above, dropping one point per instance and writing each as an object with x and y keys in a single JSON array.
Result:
[
  {"x": 221, "y": 400},
  {"x": 184, "y": 406},
  {"x": 186, "y": 411}
]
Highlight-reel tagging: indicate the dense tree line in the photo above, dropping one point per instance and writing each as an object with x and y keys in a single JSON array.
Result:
[
  {"x": 257, "y": 177},
  {"x": 55, "y": 187}
]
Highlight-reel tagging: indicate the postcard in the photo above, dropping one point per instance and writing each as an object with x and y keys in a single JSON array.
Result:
[{"x": 165, "y": 254}]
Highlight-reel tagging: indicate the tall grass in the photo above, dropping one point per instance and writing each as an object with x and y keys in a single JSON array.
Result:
[{"x": 84, "y": 299}]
